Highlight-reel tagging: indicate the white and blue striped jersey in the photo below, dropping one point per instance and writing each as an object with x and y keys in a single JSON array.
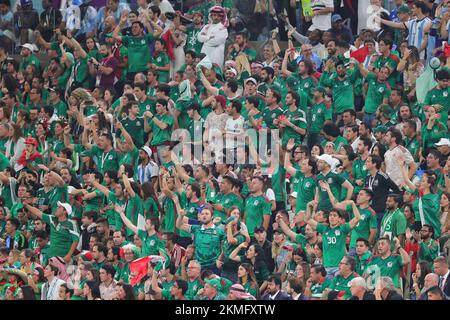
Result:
[{"x": 416, "y": 35}]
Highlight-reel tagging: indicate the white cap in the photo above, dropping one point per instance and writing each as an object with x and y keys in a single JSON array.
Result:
[
  {"x": 66, "y": 206},
  {"x": 29, "y": 46},
  {"x": 147, "y": 150},
  {"x": 233, "y": 70},
  {"x": 327, "y": 158},
  {"x": 443, "y": 142},
  {"x": 251, "y": 79},
  {"x": 293, "y": 194}
]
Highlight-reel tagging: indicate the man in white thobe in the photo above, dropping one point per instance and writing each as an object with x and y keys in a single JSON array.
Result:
[{"x": 213, "y": 36}]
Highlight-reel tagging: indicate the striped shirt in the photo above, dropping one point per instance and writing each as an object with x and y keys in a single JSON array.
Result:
[{"x": 416, "y": 35}]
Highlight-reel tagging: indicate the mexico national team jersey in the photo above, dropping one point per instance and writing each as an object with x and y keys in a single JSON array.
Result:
[
  {"x": 393, "y": 224},
  {"x": 62, "y": 235},
  {"x": 389, "y": 267},
  {"x": 208, "y": 244},
  {"x": 333, "y": 243}
]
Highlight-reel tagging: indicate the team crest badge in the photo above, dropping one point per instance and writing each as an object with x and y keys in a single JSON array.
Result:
[
  {"x": 110, "y": 157},
  {"x": 255, "y": 203},
  {"x": 337, "y": 232},
  {"x": 375, "y": 183},
  {"x": 152, "y": 243},
  {"x": 330, "y": 180},
  {"x": 389, "y": 264}
]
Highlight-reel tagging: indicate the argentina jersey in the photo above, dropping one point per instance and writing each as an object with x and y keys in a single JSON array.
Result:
[{"x": 416, "y": 35}]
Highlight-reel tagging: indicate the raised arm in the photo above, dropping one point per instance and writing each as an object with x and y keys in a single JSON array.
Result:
[
  {"x": 126, "y": 135},
  {"x": 308, "y": 215},
  {"x": 34, "y": 211},
  {"x": 126, "y": 183},
  {"x": 364, "y": 72},
  {"x": 101, "y": 187},
  {"x": 59, "y": 181},
  {"x": 78, "y": 47},
  {"x": 207, "y": 84},
  {"x": 284, "y": 68},
  {"x": 287, "y": 159},
  {"x": 287, "y": 231},
  {"x": 67, "y": 142},
  {"x": 125, "y": 220},
  {"x": 234, "y": 254},
  {"x": 356, "y": 214},
  {"x": 405, "y": 256},
  {"x": 181, "y": 223},
  {"x": 396, "y": 25}
]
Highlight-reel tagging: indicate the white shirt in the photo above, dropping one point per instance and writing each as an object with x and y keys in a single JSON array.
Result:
[
  {"x": 393, "y": 168},
  {"x": 50, "y": 291},
  {"x": 270, "y": 195},
  {"x": 233, "y": 127},
  {"x": 321, "y": 21},
  {"x": 164, "y": 6},
  {"x": 213, "y": 37},
  {"x": 272, "y": 297}
]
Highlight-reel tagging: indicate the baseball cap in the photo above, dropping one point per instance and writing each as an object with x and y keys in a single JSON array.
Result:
[
  {"x": 66, "y": 206},
  {"x": 403, "y": 9},
  {"x": 85, "y": 153},
  {"x": 29, "y": 46},
  {"x": 381, "y": 129},
  {"x": 32, "y": 141},
  {"x": 320, "y": 89},
  {"x": 215, "y": 283},
  {"x": 327, "y": 158},
  {"x": 443, "y": 142},
  {"x": 293, "y": 194},
  {"x": 147, "y": 150},
  {"x": 336, "y": 17},
  {"x": 251, "y": 79}
]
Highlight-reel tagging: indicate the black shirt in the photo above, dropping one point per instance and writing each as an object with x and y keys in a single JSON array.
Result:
[{"x": 381, "y": 185}]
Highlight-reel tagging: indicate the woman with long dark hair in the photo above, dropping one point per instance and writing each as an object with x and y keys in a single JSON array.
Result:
[
  {"x": 255, "y": 257},
  {"x": 26, "y": 293},
  {"x": 15, "y": 144},
  {"x": 246, "y": 277},
  {"x": 422, "y": 269},
  {"x": 124, "y": 292},
  {"x": 91, "y": 290}
]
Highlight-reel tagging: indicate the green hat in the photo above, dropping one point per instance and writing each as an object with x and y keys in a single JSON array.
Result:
[
  {"x": 320, "y": 89},
  {"x": 292, "y": 82},
  {"x": 382, "y": 129},
  {"x": 85, "y": 153},
  {"x": 388, "y": 112},
  {"x": 403, "y": 9},
  {"x": 215, "y": 283}
]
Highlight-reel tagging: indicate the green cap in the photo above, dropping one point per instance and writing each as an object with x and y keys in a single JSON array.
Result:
[
  {"x": 382, "y": 129},
  {"x": 403, "y": 9},
  {"x": 320, "y": 89},
  {"x": 215, "y": 283},
  {"x": 85, "y": 153}
]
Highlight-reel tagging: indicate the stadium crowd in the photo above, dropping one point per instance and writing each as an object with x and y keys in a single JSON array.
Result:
[{"x": 224, "y": 150}]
